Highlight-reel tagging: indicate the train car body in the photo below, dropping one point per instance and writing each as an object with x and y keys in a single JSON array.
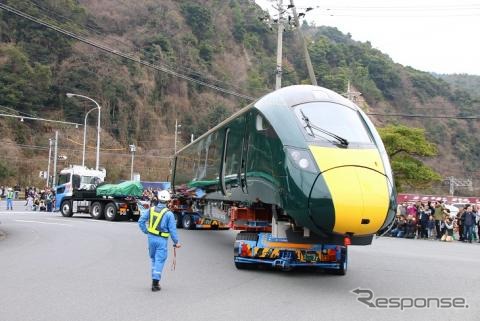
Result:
[{"x": 307, "y": 154}]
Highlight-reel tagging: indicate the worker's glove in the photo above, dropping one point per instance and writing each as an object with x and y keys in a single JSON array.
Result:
[{"x": 177, "y": 245}]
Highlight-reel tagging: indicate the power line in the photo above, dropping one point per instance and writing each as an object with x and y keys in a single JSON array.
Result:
[
  {"x": 40, "y": 119},
  {"x": 17, "y": 111},
  {"x": 425, "y": 116},
  {"x": 120, "y": 54},
  {"x": 40, "y": 147},
  {"x": 133, "y": 47}
]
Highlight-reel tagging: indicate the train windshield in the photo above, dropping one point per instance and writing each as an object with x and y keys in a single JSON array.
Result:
[{"x": 328, "y": 120}]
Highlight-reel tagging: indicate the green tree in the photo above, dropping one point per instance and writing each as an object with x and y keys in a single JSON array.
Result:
[
  {"x": 199, "y": 18},
  {"x": 404, "y": 146}
]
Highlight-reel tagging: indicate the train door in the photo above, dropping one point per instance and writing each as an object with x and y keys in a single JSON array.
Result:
[{"x": 232, "y": 154}]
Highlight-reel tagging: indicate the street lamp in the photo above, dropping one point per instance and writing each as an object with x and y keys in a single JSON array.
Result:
[
  {"x": 133, "y": 149},
  {"x": 177, "y": 126},
  {"x": 70, "y": 95}
]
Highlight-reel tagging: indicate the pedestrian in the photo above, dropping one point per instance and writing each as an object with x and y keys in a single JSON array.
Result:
[
  {"x": 438, "y": 215},
  {"x": 448, "y": 236},
  {"x": 469, "y": 220},
  {"x": 161, "y": 225},
  {"x": 431, "y": 226},
  {"x": 10, "y": 196}
]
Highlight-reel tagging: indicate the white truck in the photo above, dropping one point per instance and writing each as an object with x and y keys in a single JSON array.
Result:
[{"x": 76, "y": 192}]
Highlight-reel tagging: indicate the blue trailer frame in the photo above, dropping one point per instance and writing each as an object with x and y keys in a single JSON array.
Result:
[{"x": 252, "y": 250}]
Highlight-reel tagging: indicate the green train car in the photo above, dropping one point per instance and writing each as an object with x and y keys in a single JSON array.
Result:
[{"x": 310, "y": 156}]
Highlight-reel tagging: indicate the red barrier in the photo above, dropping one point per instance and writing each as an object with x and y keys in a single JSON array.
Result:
[{"x": 412, "y": 198}]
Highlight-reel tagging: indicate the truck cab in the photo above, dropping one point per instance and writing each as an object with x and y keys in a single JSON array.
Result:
[{"x": 76, "y": 178}]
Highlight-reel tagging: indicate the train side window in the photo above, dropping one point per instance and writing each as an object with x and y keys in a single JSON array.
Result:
[
  {"x": 224, "y": 162},
  {"x": 259, "y": 125}
]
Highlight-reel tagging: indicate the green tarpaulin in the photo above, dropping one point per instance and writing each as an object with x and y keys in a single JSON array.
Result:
[{"x": 128, "y": 188}]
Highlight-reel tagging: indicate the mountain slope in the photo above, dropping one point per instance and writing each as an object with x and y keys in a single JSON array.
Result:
[{"x": 222, "y": 43}]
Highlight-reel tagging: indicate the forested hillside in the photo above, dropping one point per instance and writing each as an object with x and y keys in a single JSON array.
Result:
[{"x": 222, "y": 43}]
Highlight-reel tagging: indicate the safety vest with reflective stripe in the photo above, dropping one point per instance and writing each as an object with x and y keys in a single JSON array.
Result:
[
  {"x": 154, "y": 222},
  {"x": 10, "y": 195}
]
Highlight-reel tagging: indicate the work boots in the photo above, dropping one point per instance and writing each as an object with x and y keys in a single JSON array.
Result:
[{"x": 155, "y": 286}]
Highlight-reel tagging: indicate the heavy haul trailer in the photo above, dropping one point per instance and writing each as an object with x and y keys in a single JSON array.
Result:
[
  {"x": 306, "y": 158},
  {"x": 193, "y": 218},
  {"x": 77, "y": 192}
]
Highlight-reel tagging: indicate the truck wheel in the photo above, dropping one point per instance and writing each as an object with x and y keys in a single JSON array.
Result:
[
  {"x": 187, "y": 222},
  {"x": 177, "y": 219},
  {"x": 96, "y": 211},
  {"x": 111, "y": 212},
  {"x": 66, "y": 208}
]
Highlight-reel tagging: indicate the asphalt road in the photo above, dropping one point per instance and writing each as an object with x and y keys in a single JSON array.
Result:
[{"x": 54, "y": 268}]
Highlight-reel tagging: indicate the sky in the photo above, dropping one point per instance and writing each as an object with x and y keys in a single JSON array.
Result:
[{"x": 439, "y": 36}]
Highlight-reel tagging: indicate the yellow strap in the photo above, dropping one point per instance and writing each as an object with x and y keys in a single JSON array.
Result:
[{"x": 154, "y": 222}]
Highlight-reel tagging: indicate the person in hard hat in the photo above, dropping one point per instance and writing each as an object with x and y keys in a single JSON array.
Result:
[
  {"x": 161, "y": 225},
  {"x": 10, "y": 196}
]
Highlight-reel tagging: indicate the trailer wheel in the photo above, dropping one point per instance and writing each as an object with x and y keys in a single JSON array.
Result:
[
  {"x": 187, "y": 222},
  {"x": 66, "y": 208},
  {"x": 111, "y": 212},
  {"x": 96, "y": 211}
]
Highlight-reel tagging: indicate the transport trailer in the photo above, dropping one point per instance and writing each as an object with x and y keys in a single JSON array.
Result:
[
  {"x": 252, "y": 250},
  {"x": 193, "y": 219}
]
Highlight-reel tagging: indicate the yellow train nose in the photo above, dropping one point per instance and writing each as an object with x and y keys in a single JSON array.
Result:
[
  {"x": 360, "y": 199},
  {"x": 353, "y": 188}
]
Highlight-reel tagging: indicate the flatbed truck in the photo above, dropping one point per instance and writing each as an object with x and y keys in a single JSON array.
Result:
[{"x": 76, "y": 193}]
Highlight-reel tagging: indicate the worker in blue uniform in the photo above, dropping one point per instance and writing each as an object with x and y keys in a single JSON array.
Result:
[{"x": 161, "y": 225}]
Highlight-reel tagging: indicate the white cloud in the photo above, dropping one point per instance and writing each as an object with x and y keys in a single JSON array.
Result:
[{"x": 430, "y": 35}]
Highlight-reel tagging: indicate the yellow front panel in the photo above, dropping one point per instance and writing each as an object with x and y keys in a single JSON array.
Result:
[
  {"x": 328, "y": 157},
  {"x": 357, "y": 191}
]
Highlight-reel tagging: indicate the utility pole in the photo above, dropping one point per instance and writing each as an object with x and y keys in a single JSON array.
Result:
[
  {"x": 459, "y": 182},
  {"x": 311, "y": 73},
  {"x": 98, "y": 140},
  {"x": 49, "y": 157},
  {"x": 177, "y": 125},
  {"x": 351, "y": 95},
  {"x": 55, "y": 155},
  {"x": 278, "y": 81},
  {"x": 133, "y": 149}
]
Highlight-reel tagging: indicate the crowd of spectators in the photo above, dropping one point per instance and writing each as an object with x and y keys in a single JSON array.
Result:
[
  {"x": 35, "y": 199},
  {"x": 150, "y": 196},
  {"x": 434, "y": 220}
]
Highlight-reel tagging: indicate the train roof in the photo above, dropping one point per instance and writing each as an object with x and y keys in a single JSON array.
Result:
[
  {"x": 284, "y": 98},
  {"x": 300, "y": 94}
]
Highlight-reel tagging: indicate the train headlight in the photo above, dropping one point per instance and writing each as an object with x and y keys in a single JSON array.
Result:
[
  {"x": 303, "y": 163},
  {"x": 302, "y": 159}
]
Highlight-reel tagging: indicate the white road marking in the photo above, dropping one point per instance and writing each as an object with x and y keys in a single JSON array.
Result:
[
  {"x": 26, "y": 221},
  {"x": 58, "y": 219}
]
